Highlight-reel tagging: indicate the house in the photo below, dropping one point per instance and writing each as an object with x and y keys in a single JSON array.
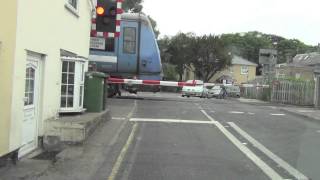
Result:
[
  {"x": 240, "y": 71},
  {"x": 44, "y": 46},
  {"x": 302, "y": 67}
]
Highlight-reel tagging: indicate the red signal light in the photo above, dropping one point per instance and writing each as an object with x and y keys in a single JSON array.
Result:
[{"x": 100, "y": 10}]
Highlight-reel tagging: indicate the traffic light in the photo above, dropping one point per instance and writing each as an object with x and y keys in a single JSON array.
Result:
[{"x": 106, "y": 15}]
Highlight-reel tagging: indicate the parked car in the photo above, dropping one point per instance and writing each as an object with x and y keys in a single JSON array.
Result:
[
  {"x": 233, "y": 91},
  {"x": 194, "y": 91},
  {"x": 215, "y": 92},
  {"x": 199, "y": 90}
]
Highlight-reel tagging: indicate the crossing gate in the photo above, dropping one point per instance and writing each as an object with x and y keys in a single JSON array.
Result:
[{"x": 149, "y": 82}]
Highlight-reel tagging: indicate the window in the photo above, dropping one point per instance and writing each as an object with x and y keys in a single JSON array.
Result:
[
  {"x": 67, "y": 85},
  {"x": 129, "y": 40},
  {"x": 244, "y": 70},
  {"x": 72, "y": 85},
  {"x": 110, "y": 44},
  {"x": 29, "y": 87},
  {"x": 73, "y": 3}
]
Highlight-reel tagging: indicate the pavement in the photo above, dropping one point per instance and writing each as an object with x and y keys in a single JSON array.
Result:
[
  {"x": 307, "y": 112},
  {"x": 166, "y": 137}
]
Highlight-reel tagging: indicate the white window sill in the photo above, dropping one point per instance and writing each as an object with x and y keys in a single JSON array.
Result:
[{"x": 72, "y": 9}]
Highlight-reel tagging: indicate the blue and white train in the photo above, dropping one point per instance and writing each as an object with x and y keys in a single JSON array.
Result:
[{"x": 135, "y": 54}]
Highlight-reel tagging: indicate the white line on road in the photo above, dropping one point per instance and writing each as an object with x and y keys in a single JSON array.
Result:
[
  {"x": 236, "y": 112},
  {"x": 250, "y": 113},
  {"x": 170, "y": 121},
  {"x": 277, "y": 114},
  {"x": 245, "y": 150},
  {"x": 119, "y": 118},
  {"x": 294, "y": 172}
]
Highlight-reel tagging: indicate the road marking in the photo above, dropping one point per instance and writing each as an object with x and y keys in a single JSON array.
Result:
[
  {"x": 245, "y": 150},
  {"x": 277, "y": 114},
  {"x": 119, "y": 118},
  {"x": 123, "y": 153},
  {"x": 294, "y": 172},
  {"x": 132, "y": 110},
  {"x": 170, "y": 121},
  {"x": 250, "y": 113},
  {"x": 236, "y": 112}
]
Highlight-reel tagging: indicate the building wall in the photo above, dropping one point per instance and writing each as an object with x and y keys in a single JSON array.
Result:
[
  {"x": 242, "y": 78},
  {"x": 235, "y": 72},
  {"x": 45, "y": 27},
  {"x": 306, "y": 73},
  {"x": 7, "y": 47}
]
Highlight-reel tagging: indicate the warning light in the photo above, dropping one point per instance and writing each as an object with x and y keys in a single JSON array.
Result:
[{"x": 100, "y": 10}]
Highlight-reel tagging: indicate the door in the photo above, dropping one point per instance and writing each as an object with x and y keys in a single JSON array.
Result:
[
  {"x": 31, "y": 93},
  {"x": 128, "y": 47}
]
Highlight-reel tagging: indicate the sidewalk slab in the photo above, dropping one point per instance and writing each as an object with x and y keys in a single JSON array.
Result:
[
  {"x": 75, "y": 129},
  {"x": 306, "y": 112},
  {"x": 310, "y": 113},
  {"x": 25, "y": 169}
]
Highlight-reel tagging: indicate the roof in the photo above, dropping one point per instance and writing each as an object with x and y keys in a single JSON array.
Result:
[
  {"x": 308, "y": 59},
  {"x": 241, "y": 61},
  {"x": 135, "y": 17}
]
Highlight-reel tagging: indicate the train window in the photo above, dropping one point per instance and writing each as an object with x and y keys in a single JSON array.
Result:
[
  {"x": 110, "y": 44},
  {"x": 129, "y": 40}
]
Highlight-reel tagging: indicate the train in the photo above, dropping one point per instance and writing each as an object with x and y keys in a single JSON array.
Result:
[{"x": 133, "y": 55}]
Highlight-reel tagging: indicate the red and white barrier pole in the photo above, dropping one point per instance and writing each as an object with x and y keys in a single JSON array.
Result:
[{"x": 148, "y": 82}]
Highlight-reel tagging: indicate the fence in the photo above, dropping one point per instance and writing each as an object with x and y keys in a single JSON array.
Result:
[
  {"x": 284, "y": 92},
  {"x": 290, "y": 92},
  {"x": 261, "y": 93}
]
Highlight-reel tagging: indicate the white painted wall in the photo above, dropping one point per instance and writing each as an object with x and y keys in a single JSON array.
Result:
[{"x": 46, "y": 26}]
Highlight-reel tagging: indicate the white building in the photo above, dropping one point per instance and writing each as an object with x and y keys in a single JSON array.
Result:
[{"x": 48, "y": 56}]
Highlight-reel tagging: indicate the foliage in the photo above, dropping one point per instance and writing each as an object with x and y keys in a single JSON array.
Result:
[
  {"x": 169, "y": 72},
  {"x": 210, "y": 56},
  {"x": 248, "y": 45},
  {"x": 132, "y": 5},
  {"x": 154, "y": 26},
  {"x": 205, "y": 55},
  {"x": 136, "y": 6},
  {"x": 179, "y": 52}
]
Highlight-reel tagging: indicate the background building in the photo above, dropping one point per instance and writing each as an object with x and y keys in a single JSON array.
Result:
[{"x": 240, "y": 71}]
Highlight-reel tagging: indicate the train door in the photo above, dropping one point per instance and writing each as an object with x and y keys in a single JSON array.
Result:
[{"x": 128, "y": 47}]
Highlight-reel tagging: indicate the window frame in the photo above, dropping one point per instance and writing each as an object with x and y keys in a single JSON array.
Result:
[
  {"x": 76, "y": 84},
  {"x": 244, "y": 70},
  {"x": 125, "y": 42},
  {"x": 74, "y": 10}
]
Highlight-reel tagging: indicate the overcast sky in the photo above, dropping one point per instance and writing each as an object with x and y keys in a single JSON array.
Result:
[{"x": 289, "y": 18}]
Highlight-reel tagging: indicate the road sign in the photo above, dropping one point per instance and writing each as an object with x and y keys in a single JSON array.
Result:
[
  {"x": 97, "y": 43},
  {"x": 268, "y": 56}
]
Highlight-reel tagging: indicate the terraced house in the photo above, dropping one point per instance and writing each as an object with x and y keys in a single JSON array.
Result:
[{"x": 44, "y": 46}]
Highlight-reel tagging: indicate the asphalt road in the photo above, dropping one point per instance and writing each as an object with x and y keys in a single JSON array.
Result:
[{"x": 166, "y": 137}]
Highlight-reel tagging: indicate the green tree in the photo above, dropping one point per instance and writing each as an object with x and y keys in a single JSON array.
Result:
[
  {"x": 210, "y": 55},
  {"x": 248, "y": 45},
  {"x": 132, "y": 5},
  {"x": 154, "y": 26},
  {"x": 180, "y": 52}
]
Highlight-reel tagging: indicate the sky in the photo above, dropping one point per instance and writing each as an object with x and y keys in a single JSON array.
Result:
[{"x": 299, "y": 19}]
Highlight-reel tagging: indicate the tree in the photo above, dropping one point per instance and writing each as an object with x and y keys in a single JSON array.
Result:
[
  {"x": 210, "y": 55},
  {"x": 154, "y": 26},
  {"x": 180, "y": 52},
  {"x": 132, "y": 5},
  {"x": 247, "y": 45}
]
